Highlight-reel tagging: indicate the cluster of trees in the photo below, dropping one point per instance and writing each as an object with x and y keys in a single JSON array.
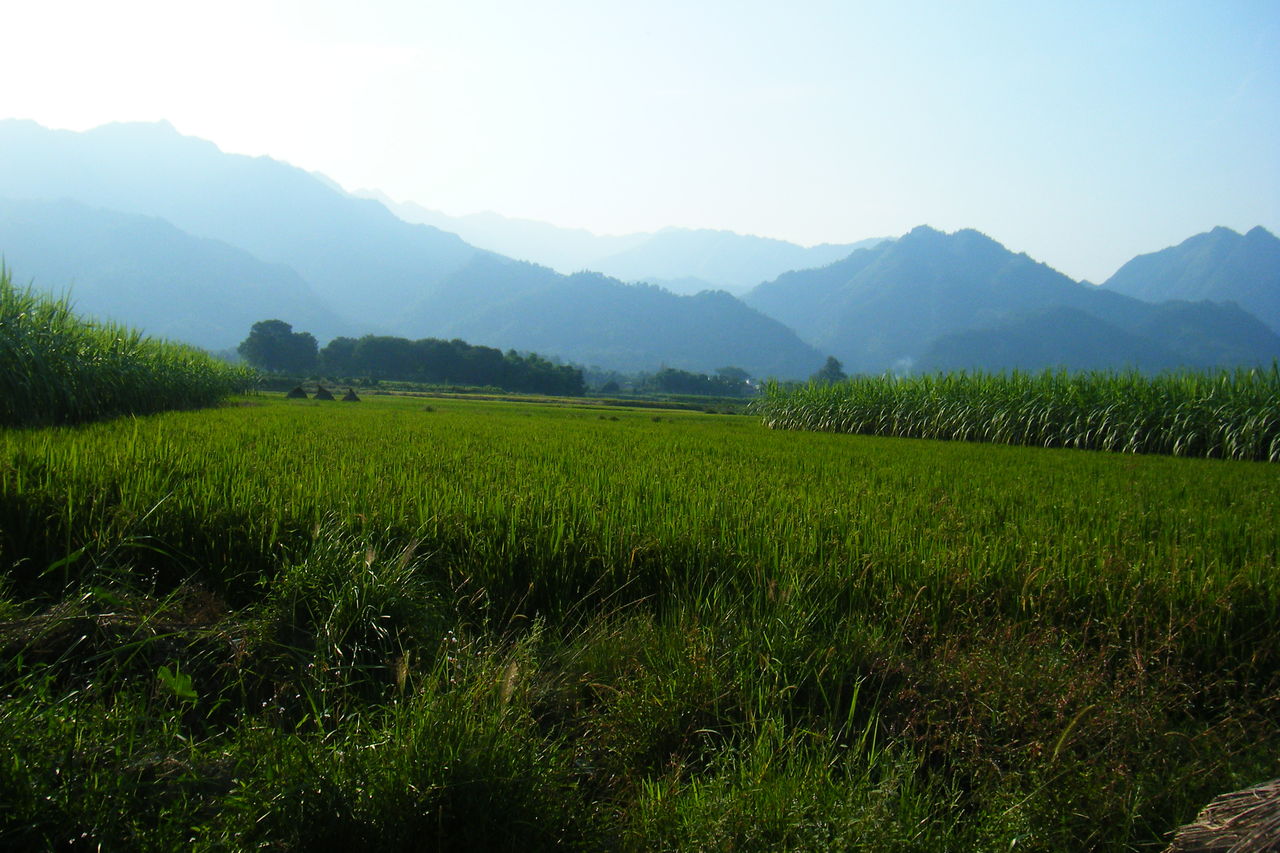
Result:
[
  {"x": 273, "y": 345},
  {"x": 831, "y": 372},
  {"x": 728, "y": 382}
]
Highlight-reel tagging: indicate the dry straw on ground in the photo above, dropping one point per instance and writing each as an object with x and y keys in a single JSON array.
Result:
[{"x": 1245, "y": 821}]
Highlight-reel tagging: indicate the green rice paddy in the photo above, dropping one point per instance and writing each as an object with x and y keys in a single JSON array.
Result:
[{"x": 446, "y": 624}]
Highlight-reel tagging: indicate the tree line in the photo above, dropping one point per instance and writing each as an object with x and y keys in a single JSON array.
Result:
[
  {"x": 728, "y": 382},
  {"x": 273, "y": 345}
]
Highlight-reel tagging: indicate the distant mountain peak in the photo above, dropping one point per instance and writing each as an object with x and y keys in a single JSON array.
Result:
[
  {"x": 160, "y": 125},
  {"x": 924, "y": 243},
  {"x": 149, "y": 139},
  {"x": 1220, "y": 265},
  {"x": 889, "y": 305},
  {"x": 684, "y": 260},
  {"x": 966, "y": 236},
  {"x": 160, "y": 129}
]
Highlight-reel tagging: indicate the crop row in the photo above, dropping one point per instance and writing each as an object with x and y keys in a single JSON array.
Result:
[
  {"x": 1227, "y": 415},
  {"x": 56, "y": 368}
]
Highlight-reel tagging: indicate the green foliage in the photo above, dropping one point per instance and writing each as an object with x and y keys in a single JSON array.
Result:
[
  {"x": 501, "y": 624},
  {"x": 447, "y": 362},
  {"x": 274, "y": 345},
  {"x": 56, "y": 368},
  {"x": 726, "y": 383},
  {"x": 1228, "y": 415},
  {"x": 831, "y": 372},
  {"x": 346, "y": 611},
  {"x": 178, "y": 683}
]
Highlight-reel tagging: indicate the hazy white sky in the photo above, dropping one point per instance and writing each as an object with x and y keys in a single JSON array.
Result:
[{"x": 1079, "y": 132}]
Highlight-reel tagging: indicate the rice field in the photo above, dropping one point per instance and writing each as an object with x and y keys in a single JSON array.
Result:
[
  {"x": 501, "y": 625},
  {"x": 57, "y": 368},
  {"x": 1227, "y": 415}
]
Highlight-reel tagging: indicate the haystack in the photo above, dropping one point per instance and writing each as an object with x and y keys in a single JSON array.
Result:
[
  {"x": 1245, "y": 821},
  {"x": 322, "y": 393},
  {"x": 350, "y": 396},
  {"x": 296, "y": 394}
]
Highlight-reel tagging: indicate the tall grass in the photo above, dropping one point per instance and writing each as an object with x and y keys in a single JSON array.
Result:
[
  {"x": 56, "y": 368},
  {"x": 462, "y": 625},
  {"x": 1226, "y": 415}
]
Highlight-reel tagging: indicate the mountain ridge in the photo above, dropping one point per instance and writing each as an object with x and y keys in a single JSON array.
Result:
[
  {"x": 1221, "y": 265},
  {"x": 378, "y": 273},
  {"x": 686, "y": 260},
  {"x": 275, "y": 211},
  {"x": 600, "y": 321},
  {"x": 350, "y": 263},
  {"x": 883, "y": 308},
  {"x": 143, "y": 272}
]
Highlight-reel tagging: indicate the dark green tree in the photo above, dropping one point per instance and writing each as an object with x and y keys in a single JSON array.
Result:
[
  {"x": 669, "y": 380},
  {"x": 733, "y": 374},
  {"x": 385, "y": 357},
  {"x": 274, "y": 345},
  {"x": 338, "y": 357},
  {"x": 831, "y": 372},
  {"x": 454, "y": 362}
]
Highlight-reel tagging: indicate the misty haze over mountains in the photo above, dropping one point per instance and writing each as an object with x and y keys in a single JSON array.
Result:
[
  {"x": 167, "y": 233},
  {"x": 899, "y": 306},
  {"x": 1220, "y": 265},
  {"x": 144, "y": 271},
  {"x": 680, "y": 259},
  {"x": 362, "y": 261}
]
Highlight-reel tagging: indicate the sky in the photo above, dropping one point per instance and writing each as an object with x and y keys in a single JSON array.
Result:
[{"x": 1081, "y": 133}]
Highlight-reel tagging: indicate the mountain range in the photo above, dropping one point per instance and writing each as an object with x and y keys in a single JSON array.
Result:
[
  {"x": 122, "y": 267},
  {"x": 278, "y": 213},
  {"x": 681, "y": 260},
  {"x": 366, "y": 268},
  {"x": 930, "y": 301},
  {"x": 167, "y": 232},
  {"x": 1221, "y": 265}
]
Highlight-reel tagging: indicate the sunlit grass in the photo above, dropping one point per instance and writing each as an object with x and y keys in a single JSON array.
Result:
[
  {"x": 466, "y": 623},
  {"x": 56, "y": 368},
  {"x": 1225, "y": 415}
]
